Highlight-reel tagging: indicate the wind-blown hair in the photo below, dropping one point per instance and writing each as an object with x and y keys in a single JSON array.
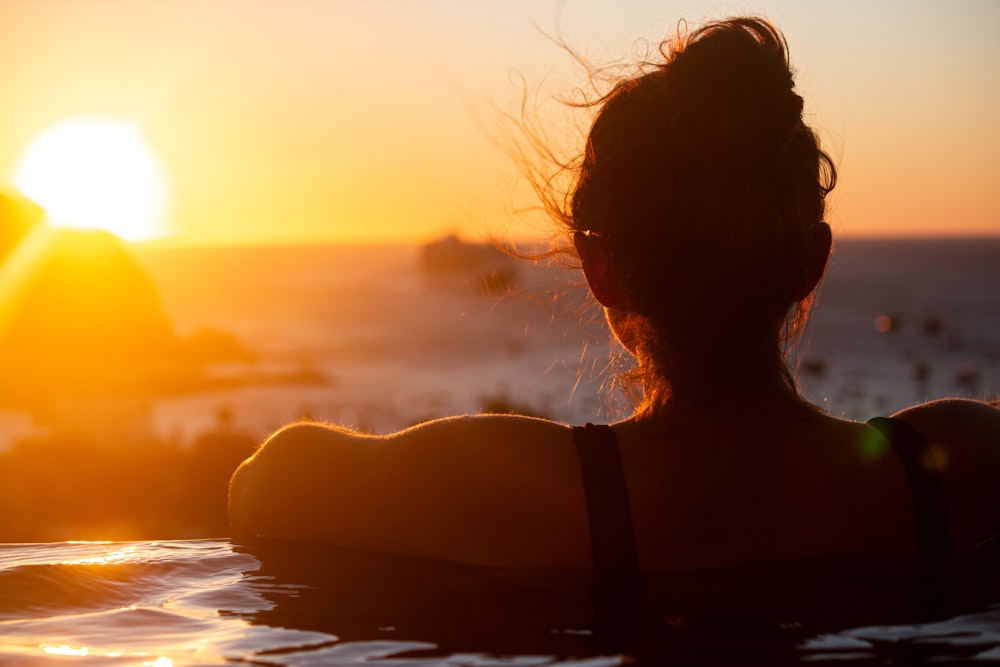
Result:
[{"x": 703, "y": 181}]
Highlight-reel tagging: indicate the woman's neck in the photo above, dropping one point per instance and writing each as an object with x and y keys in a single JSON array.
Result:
[
  {"x": 682, "y": 419},
  {"x": 730, "y": 397}
]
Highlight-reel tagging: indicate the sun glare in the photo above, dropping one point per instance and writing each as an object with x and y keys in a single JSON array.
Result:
[{"x": 96, "y": 173}]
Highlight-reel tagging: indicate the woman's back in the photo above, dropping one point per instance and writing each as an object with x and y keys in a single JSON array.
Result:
[
  {"x": 725, "y": 489},
  {"x": 704, "y": 489},
  {"x": 737, "y": 489}
]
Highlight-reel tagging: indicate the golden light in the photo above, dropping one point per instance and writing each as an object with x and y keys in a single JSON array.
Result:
[
  {"x": 115, "y": 557},
  {"x": 96, "y": 173},
  {"x": 64, "y": 649}
]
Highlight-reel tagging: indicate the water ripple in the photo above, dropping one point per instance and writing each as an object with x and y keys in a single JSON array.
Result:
[{"x": 169, "y": 604}]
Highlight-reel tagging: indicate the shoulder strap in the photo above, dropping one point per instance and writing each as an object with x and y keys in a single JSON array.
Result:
[
  {"x": 615, "y": 559},
  {"x": 933, "y": 540}
]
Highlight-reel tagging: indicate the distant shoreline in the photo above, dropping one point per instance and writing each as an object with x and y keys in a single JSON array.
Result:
[{"x": 292, "y": 244}]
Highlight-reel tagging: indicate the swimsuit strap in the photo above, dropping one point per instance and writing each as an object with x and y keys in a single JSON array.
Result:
[
  {"x": 929, "y": 504},
  {"x": 615, "y": 559}
]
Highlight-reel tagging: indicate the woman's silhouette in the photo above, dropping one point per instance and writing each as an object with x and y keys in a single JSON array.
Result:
[{"x": 698, "y": 217}]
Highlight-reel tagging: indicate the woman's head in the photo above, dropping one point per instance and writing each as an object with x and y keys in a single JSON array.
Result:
[{"x": 706, "y": 189}]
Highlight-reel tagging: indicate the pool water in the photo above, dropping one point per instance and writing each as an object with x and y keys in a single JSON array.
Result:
[{"x": 198, "y": 602}]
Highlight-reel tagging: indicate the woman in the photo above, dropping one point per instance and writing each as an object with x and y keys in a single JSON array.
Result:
[{"x": 697, "y": 214}]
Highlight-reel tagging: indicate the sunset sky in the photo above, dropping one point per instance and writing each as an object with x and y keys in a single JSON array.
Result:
[{"x": 350, "y": 121}]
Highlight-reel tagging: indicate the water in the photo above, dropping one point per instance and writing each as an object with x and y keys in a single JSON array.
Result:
[
  {"x": 361, "y": 336},
  {"x": 173, "y": 603},
  {"x": 942, "y": 298},
  {"x": 398, "y": 348}
]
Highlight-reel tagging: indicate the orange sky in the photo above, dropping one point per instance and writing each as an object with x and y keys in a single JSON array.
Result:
[{"x": 348, "y": 120}]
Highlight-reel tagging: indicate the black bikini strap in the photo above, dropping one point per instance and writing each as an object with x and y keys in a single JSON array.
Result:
[
  {"x": 928, "y": 497},
  {"x": 616, "y": 562}
]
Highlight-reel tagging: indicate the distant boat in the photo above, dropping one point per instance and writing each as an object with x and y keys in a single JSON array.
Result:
[
  {"x": 482, "y": 263},
  {"x": 453, "y": 255}
]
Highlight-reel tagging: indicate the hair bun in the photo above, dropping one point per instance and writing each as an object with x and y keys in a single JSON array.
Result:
[{"x": 740, "y": 85}]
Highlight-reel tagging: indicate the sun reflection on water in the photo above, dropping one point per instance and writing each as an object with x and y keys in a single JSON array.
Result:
[
  {"x": 66, "y": 650},
  {"x": 120, "y": 555}
]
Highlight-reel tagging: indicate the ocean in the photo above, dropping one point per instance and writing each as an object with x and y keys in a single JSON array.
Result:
[
  {"x": 363, "y": 336},
  {"x": 367, "y": 337},
  {"x": 397, "y": 346}
]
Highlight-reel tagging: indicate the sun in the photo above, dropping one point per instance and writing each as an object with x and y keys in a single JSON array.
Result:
[{"x": 96, "y": 173}]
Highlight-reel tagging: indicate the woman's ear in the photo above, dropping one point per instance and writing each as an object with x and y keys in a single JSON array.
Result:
[
  {"x": 820, "y": 244},
  {"x": 597, "y": 268}
]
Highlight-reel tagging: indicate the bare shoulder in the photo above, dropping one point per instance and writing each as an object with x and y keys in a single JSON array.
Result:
[
  {"x": 484, "y": 429},
  {"x": 964, "y": 437},
  {"x": 956, "y": 420},
  {"x": 446, "y": 488},
  {"x": 463, "y": 436}
]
